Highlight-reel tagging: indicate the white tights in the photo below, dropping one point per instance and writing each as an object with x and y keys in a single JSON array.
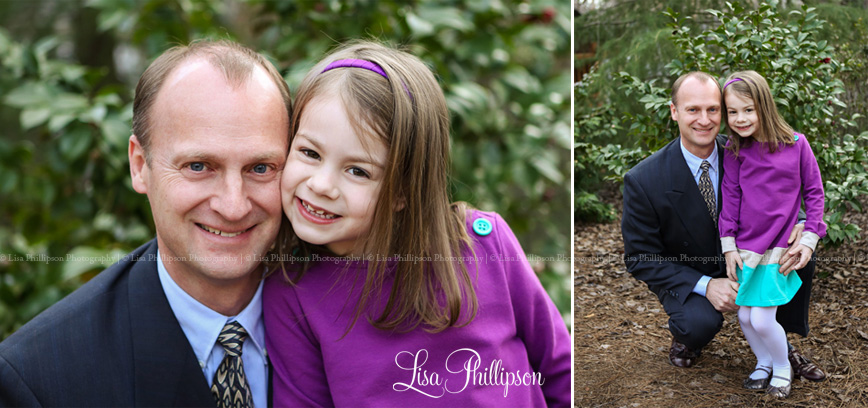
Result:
[{"x": 767, "y": 339}]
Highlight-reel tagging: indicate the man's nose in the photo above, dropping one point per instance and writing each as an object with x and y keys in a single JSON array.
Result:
[{"x": 231, "y": 201}]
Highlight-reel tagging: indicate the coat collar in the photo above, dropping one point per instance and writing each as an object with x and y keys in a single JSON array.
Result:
[
  {"x": 684, "y": 196},
  {"x": 167, "y": 372}
]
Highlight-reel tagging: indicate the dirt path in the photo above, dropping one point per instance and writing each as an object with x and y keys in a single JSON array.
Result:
[{"x": 622, "y": 341}]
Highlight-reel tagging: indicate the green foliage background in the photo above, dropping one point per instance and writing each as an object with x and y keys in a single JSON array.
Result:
[
  {"x": 68, "y": 70},
  {"x": 622, "y": 113}
]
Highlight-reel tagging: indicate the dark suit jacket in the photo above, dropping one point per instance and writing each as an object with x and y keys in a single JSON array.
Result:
[
  {"x": 113, "y": 342},
  {"x": 670, "y": 240}
]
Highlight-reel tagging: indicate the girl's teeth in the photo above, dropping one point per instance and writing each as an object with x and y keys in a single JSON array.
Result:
[{"x": 318, "y": 213}]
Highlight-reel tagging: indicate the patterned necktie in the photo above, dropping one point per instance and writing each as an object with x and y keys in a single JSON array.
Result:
[
  {"x": 230, "y": 386},
  {"x": 707, "y": 190}
]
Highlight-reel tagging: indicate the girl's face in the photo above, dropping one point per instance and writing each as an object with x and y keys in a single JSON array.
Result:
[
  {"x": 741, "y": 114},
  {"x": 331, "y": 179}
]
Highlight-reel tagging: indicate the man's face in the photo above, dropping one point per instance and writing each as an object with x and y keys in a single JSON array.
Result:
[
  {"x": 698, "y": 114},
  {"x": 213, "y": 181}
]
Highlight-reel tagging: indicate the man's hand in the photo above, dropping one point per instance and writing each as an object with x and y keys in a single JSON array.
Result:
[
  {"x": 721, "y": 293},
  {"x": 801, "y": 253},
  {"x": 732, "y": 259},
  {"x": 790, "y": 261}
]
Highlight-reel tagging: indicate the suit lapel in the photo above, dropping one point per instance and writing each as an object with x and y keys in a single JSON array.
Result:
[
  {"x": 685, "y": 198},
  {"x": 167, "y": 372}
]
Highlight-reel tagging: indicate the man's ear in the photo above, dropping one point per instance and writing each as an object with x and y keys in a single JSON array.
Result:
[
  {"x": 138, "y": 166},
  {"x": 672, "y": 111}
]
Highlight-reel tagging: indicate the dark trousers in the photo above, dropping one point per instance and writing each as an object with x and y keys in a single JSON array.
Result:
[{"x": 695, "y": 322}]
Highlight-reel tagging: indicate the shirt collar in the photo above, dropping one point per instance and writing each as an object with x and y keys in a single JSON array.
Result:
[
  {"x": 694, "y": 162},
  {"x": 201, "y": 324}
]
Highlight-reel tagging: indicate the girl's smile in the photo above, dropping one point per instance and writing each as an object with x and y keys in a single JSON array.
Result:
[
  {"x": 314, "y": 214},
  {"x": 743, "y": 130}
]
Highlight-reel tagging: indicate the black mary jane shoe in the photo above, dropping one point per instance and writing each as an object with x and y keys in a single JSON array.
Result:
[
  {"x": 759, "y": 384},
  {"x": 781, "y": 392}
]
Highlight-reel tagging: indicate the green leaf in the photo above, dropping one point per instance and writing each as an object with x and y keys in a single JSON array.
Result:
[
  {"x": 116, "y": 132},
  {"x": 519, "y": 78},
  {"x": 29, "y": 94},
  {"x": 95, "y": 114},
  {"x": 31, "y": 118},
  {"x": 69, "y": 102},
  {"x": 58, "y": 121},
  {"x": 445, "y": 17},
  {"x": 467, "y": 97},
  {"x": 83, "y": 259},
  {"x": 420, "y": 27},
  {"x": 547, "y": 169},
  {"x": 75, "y": 142},
  {"x": 8, "y": 181}
]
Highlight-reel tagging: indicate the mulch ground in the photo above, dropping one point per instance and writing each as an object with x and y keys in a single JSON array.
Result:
[{"x": 622, "y": 340}]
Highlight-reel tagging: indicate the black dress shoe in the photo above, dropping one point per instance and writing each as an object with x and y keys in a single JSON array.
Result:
[
  {"x": 804, "y": 367},
  {"x": 681, "y": 356}
]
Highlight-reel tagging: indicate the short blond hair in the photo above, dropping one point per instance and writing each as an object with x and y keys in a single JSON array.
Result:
[
  {"x": 236, "y": 61},
  {"x": 693, "y": 74}
]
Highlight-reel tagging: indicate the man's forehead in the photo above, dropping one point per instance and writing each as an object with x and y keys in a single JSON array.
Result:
[
  {"x": 701, "y": 104},
  {"x": 700, "y": 87},
  {"x": 699, "y": 95}
]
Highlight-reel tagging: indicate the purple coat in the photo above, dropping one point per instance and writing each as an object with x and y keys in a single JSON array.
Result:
[
  {"x": 516, "y": 352},
  {"x": 761, "y": 194}
]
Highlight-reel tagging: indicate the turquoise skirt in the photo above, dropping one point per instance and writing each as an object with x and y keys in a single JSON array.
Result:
[{"x": 760, "y": 282}]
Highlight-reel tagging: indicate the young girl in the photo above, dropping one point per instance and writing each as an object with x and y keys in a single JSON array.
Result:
[
  {"x": 766, "y": 165},
  {"x": 392, "y": 296}
]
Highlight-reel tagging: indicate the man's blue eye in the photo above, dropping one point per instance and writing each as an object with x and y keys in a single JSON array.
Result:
[
  {"x": 197, "y": 166},
  {"x": 260, "y": 168}
]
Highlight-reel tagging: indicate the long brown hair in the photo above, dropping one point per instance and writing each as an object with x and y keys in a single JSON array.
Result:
[
  {"x": 407, "y": 112},
  {"x": 771, "y": 129}
]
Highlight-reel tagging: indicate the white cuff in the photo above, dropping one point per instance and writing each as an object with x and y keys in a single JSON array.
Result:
[
  {"x": 727, "y": 244},
  {"x": 810, "y": 240},
  {"x": 702, "y": 285}
]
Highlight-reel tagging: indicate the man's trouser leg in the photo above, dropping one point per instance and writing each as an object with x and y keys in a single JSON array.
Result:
[
  {"x": 693, "y": 323},
  {"x": 793, "y": 316}
]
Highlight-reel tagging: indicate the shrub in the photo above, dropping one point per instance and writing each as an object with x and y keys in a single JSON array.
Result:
[{"x": 802, "y": 71}]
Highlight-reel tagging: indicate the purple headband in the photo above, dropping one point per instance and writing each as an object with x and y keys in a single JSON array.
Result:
[
  {"x": 356, "y": 63},
  {"x": 731, "y": 81},
  {"x": 364, "y": 64}
]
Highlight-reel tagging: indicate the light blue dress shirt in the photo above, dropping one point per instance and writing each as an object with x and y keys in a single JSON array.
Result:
[
  {"x": 694, "y": 163},
  {"x": 202, "y": 325}
]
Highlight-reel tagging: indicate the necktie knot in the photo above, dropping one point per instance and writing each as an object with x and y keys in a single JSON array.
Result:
[
  {"x": 232, "y": 338},
  {"x": 705, "y": 165}
]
